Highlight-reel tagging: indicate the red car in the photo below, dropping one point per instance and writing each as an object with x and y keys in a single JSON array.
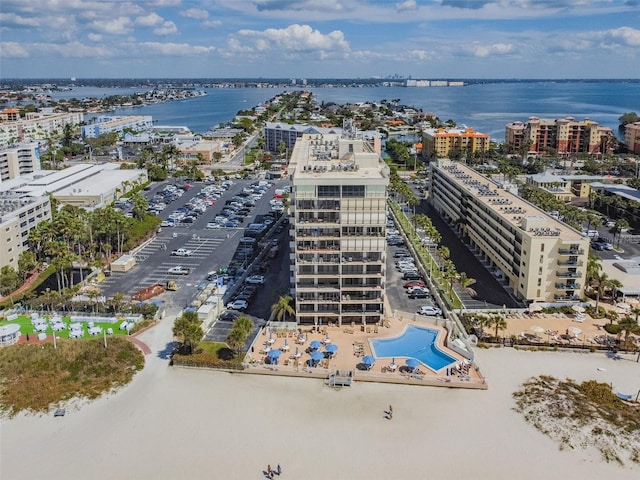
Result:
[{"x": 413, "y": 284}]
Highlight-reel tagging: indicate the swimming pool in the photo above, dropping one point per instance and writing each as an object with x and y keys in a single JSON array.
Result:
[{"x": 415, "y": 342}]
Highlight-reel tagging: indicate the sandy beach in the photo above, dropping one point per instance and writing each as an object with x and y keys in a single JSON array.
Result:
[{"x": 180, "y": 423}]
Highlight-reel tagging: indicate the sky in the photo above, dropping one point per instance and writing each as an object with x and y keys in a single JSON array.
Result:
[{"x": 420, "y": 39}]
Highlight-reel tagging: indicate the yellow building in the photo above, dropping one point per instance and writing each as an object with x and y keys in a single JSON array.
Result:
[
  {"x": 443, "y": 142},
  {"x": 632, "y": 137},
  {"x": 541, "y": 258}
]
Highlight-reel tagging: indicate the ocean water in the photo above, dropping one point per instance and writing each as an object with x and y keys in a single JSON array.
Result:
[{"x": 485, "y": 107}]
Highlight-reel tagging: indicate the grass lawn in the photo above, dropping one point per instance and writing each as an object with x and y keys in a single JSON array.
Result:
[
  {"x": 38, "y": 377},
  {"x": 27, "y": 328}
]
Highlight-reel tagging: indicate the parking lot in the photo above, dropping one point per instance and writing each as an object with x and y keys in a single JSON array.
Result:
[{"x": 211, "y": 249}]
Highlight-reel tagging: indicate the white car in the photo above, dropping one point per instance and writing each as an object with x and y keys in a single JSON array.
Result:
[
  {"x": 255, "y": 280},
  {"x": 181, "y": 252},
  {"x": 179, "y": 270},
  {"x": 430, "y": 310},
  {"x": 213, "y": 225},
  {"x": 417, "y": 289},
  {"x": 238, "y": 305}
]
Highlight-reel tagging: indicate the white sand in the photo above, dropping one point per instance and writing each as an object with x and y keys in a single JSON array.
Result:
[{"x": 189, "y": 424}]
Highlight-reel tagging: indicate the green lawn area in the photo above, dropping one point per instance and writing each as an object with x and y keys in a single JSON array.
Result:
[{"x": 27, "y": 328}]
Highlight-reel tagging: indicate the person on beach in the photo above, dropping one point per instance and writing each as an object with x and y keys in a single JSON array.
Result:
[
  {"x": 390, "y": 412},
  {"x": 278, "y": 470},
  {"x": 270, "y": 471}
]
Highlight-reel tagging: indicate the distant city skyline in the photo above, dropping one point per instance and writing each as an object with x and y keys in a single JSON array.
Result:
[{"x": 454, "y": 39}]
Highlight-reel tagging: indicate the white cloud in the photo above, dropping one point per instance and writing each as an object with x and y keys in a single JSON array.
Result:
[
  {"x": 167, "y": 28},
  {"x": 94, "y": 37},
  {"x": 13, "y": 50},
  {"x": 116, "y": 26},
  {"x": 13, "y": 20},
  {"x": 211, "y": 23},
  {"x": 295, "y": 38},
  {"x": 494, "y": 49},
  {"x": 407, "y": 5},
  {"x": 197, "y": 13},
  {"x": 149, "y": 20},
  {"x": 624, "y": 36},
  {"x": 173, "y": 49}
]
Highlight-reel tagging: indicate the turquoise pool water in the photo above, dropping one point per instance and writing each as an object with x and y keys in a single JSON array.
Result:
[{"x": 415, "y": 342}]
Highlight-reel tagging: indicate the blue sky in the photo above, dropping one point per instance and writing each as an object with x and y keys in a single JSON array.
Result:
[{"x": 320, "y": 38}]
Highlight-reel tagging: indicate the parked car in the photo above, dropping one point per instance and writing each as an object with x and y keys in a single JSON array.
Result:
[
  {"x": 255, "y": 280},
  {"x": 181, "y": 252},
  {"x": 179, "y": 270},
  {"x": 238, "y": 305},
  {"x": 419, "y": 294},
  {"x": 411, "y": 290},
  {"x": 413, "y": 284},
  {"x": 430, "y": 310}
]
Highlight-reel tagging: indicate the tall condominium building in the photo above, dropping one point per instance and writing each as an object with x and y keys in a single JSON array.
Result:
[
  {"x": 563, "y": 135},
  {"x": 442, "y": 142},
  {"x": 19, "y": 214},
  {"x": 35, "y": 125},
  {"x": 632, "y": 137},
  {"x": 18, "y": 161},
  {"x": 543, "y": 259},
  {"x": 338, "y": 245}
]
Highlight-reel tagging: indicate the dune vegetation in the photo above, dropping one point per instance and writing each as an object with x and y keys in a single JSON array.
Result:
[{"x": 36, "y": 378}]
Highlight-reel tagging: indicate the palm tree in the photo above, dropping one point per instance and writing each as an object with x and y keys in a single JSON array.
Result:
[
  {"x": 282, "y": 308},
  {"x": 466, "y": 282},
  {"x": 498, "y": 322},
  {"x": 188, "y": 330},
  {"x": 239, "y": 332},
  {"x": 627, "y": 325},
  {"x": 601, "y": 283}
]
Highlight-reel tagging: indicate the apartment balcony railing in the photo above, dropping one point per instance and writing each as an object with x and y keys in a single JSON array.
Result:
[
  {"x": 571, "y": 251},
  {"x": 567, "y": 286},
  {"x": 568, "y": 274},
  {"x": 570, "y": 263},
  {"x": 566, "y": 297}
]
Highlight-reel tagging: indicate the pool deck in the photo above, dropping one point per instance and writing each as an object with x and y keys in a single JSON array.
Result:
[{"x": 353, "y": 343}]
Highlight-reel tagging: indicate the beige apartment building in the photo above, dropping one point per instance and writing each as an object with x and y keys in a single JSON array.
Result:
[
  {"x": 338, "y": 220},
  {"x": 563, "y": 135},
  {"x": 632, "y": 137},
  {"x": 19, "y": 160},
  {"x": 442, "y": 142},
  {"x": 543, "y": 259},
  {"x": 35, "y": 125},
  {"x": 19, "y": 214}
]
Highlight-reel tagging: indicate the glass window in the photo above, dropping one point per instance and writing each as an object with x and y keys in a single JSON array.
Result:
[
  {"x": 328, "y": 190},
  {"x": 353, "y": 191}
]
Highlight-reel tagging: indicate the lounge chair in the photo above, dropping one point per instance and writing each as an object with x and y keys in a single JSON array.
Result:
[{"x": 624, "y": 396}]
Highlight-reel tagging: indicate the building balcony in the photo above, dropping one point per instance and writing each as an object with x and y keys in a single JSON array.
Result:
[
  {"x": 571, "y": 251},
  {"x": 568, "y": 274},
  {"x": 570, "y": 263},
  {"x": 567, "y": 286},
  {"x": 318, "y": 286},
  {"x": 566, "y": 297}
]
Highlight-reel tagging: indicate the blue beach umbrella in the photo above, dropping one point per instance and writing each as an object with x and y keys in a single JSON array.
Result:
[
  {"x": 368, "y": 360},
  {"x": 331, "y": 348},
  {"x": 316, "y": 344},
  {"x": 317, "y": 356},
  {"x": 275, "y": 353},
  {"x": 412, "y": 363}
]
